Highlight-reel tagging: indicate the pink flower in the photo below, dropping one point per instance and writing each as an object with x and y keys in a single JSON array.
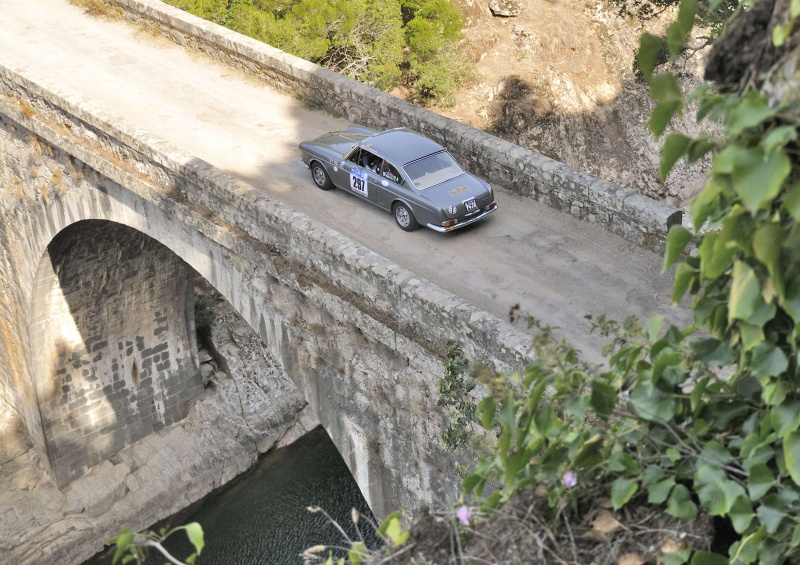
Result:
[
  {"x": 569, "y": 480},
  {"x": 463, "y": 514}
]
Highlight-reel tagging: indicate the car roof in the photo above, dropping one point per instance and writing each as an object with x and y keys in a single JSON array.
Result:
[{"x": 401, "y": 145}]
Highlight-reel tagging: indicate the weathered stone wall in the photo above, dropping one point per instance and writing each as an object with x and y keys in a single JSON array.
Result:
[
  {"x": 638, "y": 218},
  {"x": 113, "y": 334}
]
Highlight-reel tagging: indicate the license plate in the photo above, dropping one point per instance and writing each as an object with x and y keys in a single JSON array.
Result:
[{"x": 471, "y": 205}]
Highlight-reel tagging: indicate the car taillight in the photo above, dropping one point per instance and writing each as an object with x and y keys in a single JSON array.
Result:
[
  {"x": 491, "y": 206},
  {"x": 449, "y": 223}
]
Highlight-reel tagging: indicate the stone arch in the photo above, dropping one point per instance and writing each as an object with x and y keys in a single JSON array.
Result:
[{"x": 113, "y": 334}]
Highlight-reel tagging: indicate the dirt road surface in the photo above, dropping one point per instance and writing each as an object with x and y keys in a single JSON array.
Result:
[{"x": 554, "y": 266}]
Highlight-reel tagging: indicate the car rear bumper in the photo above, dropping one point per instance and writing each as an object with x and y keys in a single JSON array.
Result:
[{"x": 470, "y": 220}]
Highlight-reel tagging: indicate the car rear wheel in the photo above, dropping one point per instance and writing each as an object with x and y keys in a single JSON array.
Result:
[
  {"x": 404, "y": 218},
  {"x": 320, "y": 176}
]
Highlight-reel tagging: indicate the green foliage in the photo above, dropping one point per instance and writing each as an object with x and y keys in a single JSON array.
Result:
[
  {"x": 384, "y": 43},
  {"x": 131, "y": 546},
  {"x": 704, "y": 419},
  {"x": 204, "y": 315},
  {"x": 454, "y": 389}
]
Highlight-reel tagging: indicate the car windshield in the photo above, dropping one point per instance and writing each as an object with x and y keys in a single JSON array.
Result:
[{"x": 432, "y": 170}]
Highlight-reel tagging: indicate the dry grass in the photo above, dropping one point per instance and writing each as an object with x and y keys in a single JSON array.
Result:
[{"x": 98, "y": 8}]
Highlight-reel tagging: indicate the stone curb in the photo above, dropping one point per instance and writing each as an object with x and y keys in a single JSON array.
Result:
[{"x": 638, "y": 219}]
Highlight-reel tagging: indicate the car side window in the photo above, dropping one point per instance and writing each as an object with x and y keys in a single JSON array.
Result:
[{"x": 391, "y": 173}]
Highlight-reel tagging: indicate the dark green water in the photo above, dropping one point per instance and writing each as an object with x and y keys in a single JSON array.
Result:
[{"x": 261, "y": 519}]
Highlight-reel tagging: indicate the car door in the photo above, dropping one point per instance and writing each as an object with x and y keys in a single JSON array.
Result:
[
  {"x": 391, "y": 187},
  {"x": 358, "y": 174}
]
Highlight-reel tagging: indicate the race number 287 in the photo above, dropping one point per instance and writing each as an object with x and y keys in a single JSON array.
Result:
[{"x": 358, "y": 181}]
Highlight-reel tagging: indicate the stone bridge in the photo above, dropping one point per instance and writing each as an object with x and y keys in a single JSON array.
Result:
[{"x": 102, "y": 229}]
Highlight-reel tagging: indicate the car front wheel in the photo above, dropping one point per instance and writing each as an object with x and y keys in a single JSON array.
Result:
[
  {"x": 320, "y": 176},
  {"x": 404, "y": 218}
]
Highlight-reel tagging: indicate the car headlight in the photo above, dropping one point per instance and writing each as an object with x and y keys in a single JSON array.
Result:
[{"x": 452, "y": 210}]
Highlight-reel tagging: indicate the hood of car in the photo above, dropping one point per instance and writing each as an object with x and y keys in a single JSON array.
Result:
[{"x": 455, "y": 191}]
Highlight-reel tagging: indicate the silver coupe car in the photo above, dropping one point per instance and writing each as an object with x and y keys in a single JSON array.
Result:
[{"x": 402, "y": 172}]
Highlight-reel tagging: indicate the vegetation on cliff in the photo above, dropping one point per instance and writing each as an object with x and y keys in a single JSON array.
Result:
[{"x": 383, "y": 43}]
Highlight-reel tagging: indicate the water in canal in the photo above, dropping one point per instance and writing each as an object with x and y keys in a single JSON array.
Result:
[{"x": 261, "y": 518}]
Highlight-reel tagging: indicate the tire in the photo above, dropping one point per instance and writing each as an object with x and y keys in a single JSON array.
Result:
[
  {"x": 404, "y": 218},
  {"x": 320, "y": 176}
]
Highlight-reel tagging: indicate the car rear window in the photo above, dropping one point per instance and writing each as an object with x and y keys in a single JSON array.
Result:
[{"x": 432, "y": 170}]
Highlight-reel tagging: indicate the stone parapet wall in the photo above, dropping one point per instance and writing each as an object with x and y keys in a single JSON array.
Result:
[{"x": 637, "y": 218}]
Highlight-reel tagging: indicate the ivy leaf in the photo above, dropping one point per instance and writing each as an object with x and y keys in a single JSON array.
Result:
[
  {"x": 768, "y": 360},
  {"x": 703, "y": 557},
  {"x": 751, "y": 111},
  {"x": 760, "y": 481},
  {"x": 767, "y": 243},
  {"x": 658, "y": 493},
  {"x": 676, "y": 145},
  {"x": 712, "y": 351},
  {"x": 791, "y": 201},
  {"x": 791, "y": 454},
  {"x": 716, "y": 492},
  {"x": 685, "y": 274},
  {"x": 604, "y": 397},
  {"x": 745, "y": 297},
  {"x": 677, "y": 239},
  {"x": 741, "y": 514},
  {"x": 622, "y": 490},
  {"x": 778, "y": 137},
  {"x": 771, "y": 513},
  {"x": 705, "y": 203},
  {"x": 680, "y": 504},
  {"x": 680, "y": 28},
  {"x": 647, "y": 55},
  {"x": 195, "y": 533},
  {"x": 123, "y": 541},
  {"x": 651, "y": 403},
  {"x": 665, "y": 89},
  {"x": 757, "y": 178}
]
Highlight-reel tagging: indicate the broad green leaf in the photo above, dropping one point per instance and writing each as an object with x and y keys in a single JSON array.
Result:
[
  {"x": 195, "y": 533},
  {"x": 472, "y": 482},
  {"x": 785, "y": 418},
  {"x": 714, "y": 453},
  {"x": 712, "y": 351},
  {"x": 486, "y": 409},
  {"x": 794, "y": 9},
  {"x": 685, "y": 274},
  {"x": 705, "y": 203},
  {"x": 759, "y": 481},
  {"x": 622, "y": 490},
  {"x": 659, "y": 492},
  {"x": 681, "y": 27},
  {"x": 716, "y": 492},
  {"x": 699, "y": 147},
  {"x": 358, "y": 552},
  {"x": 394, "y": 531},
  {"x": 664, "y": 88},
  {"x": 745, "y": 295},
  {"x": 653, "y": 327},
  {"x": 680, "y": 504},
  {"x": 651, "y": 403},
  {"x": 778, "y": 137},
  {"x": 791, "y": 454},
  {"x": 123, "y": 541},
  {"x": 647, "y": 55},
  {"x": 678, "y": 557},
  {"x": 675, "y": 146},
  {"x": 724, "y": 162},
  {"x": 751, "y": 111},
  {"x": 715, "y": 255},
  {"x": 741, "y": 514},
  {"x": 779, "y": 34},
  {"x": 750, "y": 335},
  {"x": 703, "y": 557},
  {"x": 604, "y": 397},
  {"x": 677, "y": 239},
  {"x": 791, "y": 300},
  {"x": 758, "y": 178},
  {"x": 791, "y": 201},
  {"x": 767, "y": 242},
  {"x": 768, "y": 360},
  {"x": 771, "y": 512}
]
